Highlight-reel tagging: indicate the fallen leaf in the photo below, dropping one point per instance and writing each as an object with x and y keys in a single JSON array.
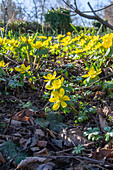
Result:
[
  {"x": 41, "y": 152},
  {"x": 23, "y": 115},
  {"x": 103, "y": 154},
  {"x": 105, "y": 111},
  {"x": 51, "y": 133},
  {"x": 42, "y": 143},
  {"x": 1, "y": 158},
  {"x": 14, "y": 122},
  {"x": 34, "y": 149},
  {"x": 103, "y": 122},
  {"x": 73, "y": 137},
  {"x": 27, "y": 118},
  {"x": 57, "y": 142},
  {"x": 39, "y": 132},
  {"x": 29, "y": 160},
  {"x": 47, "y": 166},
  {"x": 22, "y": 142},
  {"x": 40, "y": 114}
]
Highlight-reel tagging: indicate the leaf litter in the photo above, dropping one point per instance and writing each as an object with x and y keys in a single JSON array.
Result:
[{"x": 38, "y": 140}]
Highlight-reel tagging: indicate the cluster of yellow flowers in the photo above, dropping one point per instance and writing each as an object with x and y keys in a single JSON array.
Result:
[
  {"x": 81, "y": 44},
  {"x": 68, "y": 44},
  {"x": 58, "y": 96}
]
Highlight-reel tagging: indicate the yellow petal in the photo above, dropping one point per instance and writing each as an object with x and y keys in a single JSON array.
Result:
[
  {"x": 49, "y": 76},
  {"x": 23, "y": 67},
  {"x": 86, "y": 75},
  {"x": 53, "y": 100},
  {"x": 58, "y": 77},
  {"x": 62, "y": 92},
  {"x": 17, "y": 69},
  {"x": 66, "y": 98},
  {"x": 54, "y": 74},
  {"x": 28, "y": 67},
  {"x": 49, "y": 87},
  {"x": 56, "y": 106},
  {"x": 55, "y": 94},
  {"x": 46, "y": 80},
  {"x": 99, "y": 71},
  {"x": 63, "y": 104},
  {"x": 6, "y": 64},
  {"x": 62, "y": 80},
  {"x": 45, "y": 77},
  {"x": 93, "y": 76}
]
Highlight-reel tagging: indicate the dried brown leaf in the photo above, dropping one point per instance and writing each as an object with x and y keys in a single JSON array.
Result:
[
  {"x": 73, "y": 136},
  {"x": 23, "y": 115},
  {"x": 41, "y": 152},
  {"x": 103, "y": 122},
  {"x": 14, "y": 122},
  {"x": 39, "y": 132},
  {"x": 1, "y": 158},
  {"x": 106, "y": 110},
  {"x": 30, "y": 160},
  {"x": 22, "y": 142},
  {"x": 103, "y": 154},
  {"x": 42, "y": 143}
]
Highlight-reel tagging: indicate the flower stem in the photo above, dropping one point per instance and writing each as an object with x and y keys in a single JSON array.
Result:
[{"x": 73, "y": 109}]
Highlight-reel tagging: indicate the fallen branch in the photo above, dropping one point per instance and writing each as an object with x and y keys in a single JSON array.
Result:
[{"x": 78, "y": 157}]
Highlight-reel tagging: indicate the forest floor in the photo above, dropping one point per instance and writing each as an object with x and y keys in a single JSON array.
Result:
[{"x": 33, "y": 139}]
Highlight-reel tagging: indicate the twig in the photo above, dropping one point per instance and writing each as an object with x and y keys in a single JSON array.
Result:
[
  {"x": 12, "y": 114},
  {"x": 95, "y": 16},
  {"x": 45, "y": 106},
  {"x": 91, "y": 11},
  {"x": 10, "y": 59},
  {"x": 78, "y": 157}
]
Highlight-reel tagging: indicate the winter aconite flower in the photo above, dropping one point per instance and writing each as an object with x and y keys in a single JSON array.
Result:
[
  {"x": 68, "y": 33},
  {"x": 2, "y": 64},
  {"x": 50, "y": 77},
  {"x": 56, "y": 84},
  {"x": 23, "y": 69},
  {"x": 59, "y": 99},
  {"x": 92, "y": 73}
]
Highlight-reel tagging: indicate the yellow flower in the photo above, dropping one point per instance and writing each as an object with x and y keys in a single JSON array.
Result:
[
  {"x": 59, "y": 36},
  {"x": 2, "y": 29},
  {"x": 68, "y": 33},
  {"x": 92, "y": 73},
  {"x": 50, "y": 77},
  {"x": 107, "y": 40},
  {"x": 81, "y": 42},
  {"x": 107, "y": 43},
  {"x": 23, "y": 39},
  {"x": 38, "y": 44},
  {"x": 54, "y": 47},
  {"x": 2, "y": 41},
  {"x": 59, "y": 99},
  {"x": 56, "y": 84},
  {"x": 13, "y": 42},
  {"x": 23, "y": 69},
  {"x": 66, "y": 41},
  {"x": 2, "y": 64},
  {"x": 42, "y": 37}
]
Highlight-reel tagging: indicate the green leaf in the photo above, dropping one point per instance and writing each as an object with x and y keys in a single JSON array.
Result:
[
  {"x": 42, "y": 122},
  {"x": 12, "y": 150},
  {"x": 107, "y": 138}
]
